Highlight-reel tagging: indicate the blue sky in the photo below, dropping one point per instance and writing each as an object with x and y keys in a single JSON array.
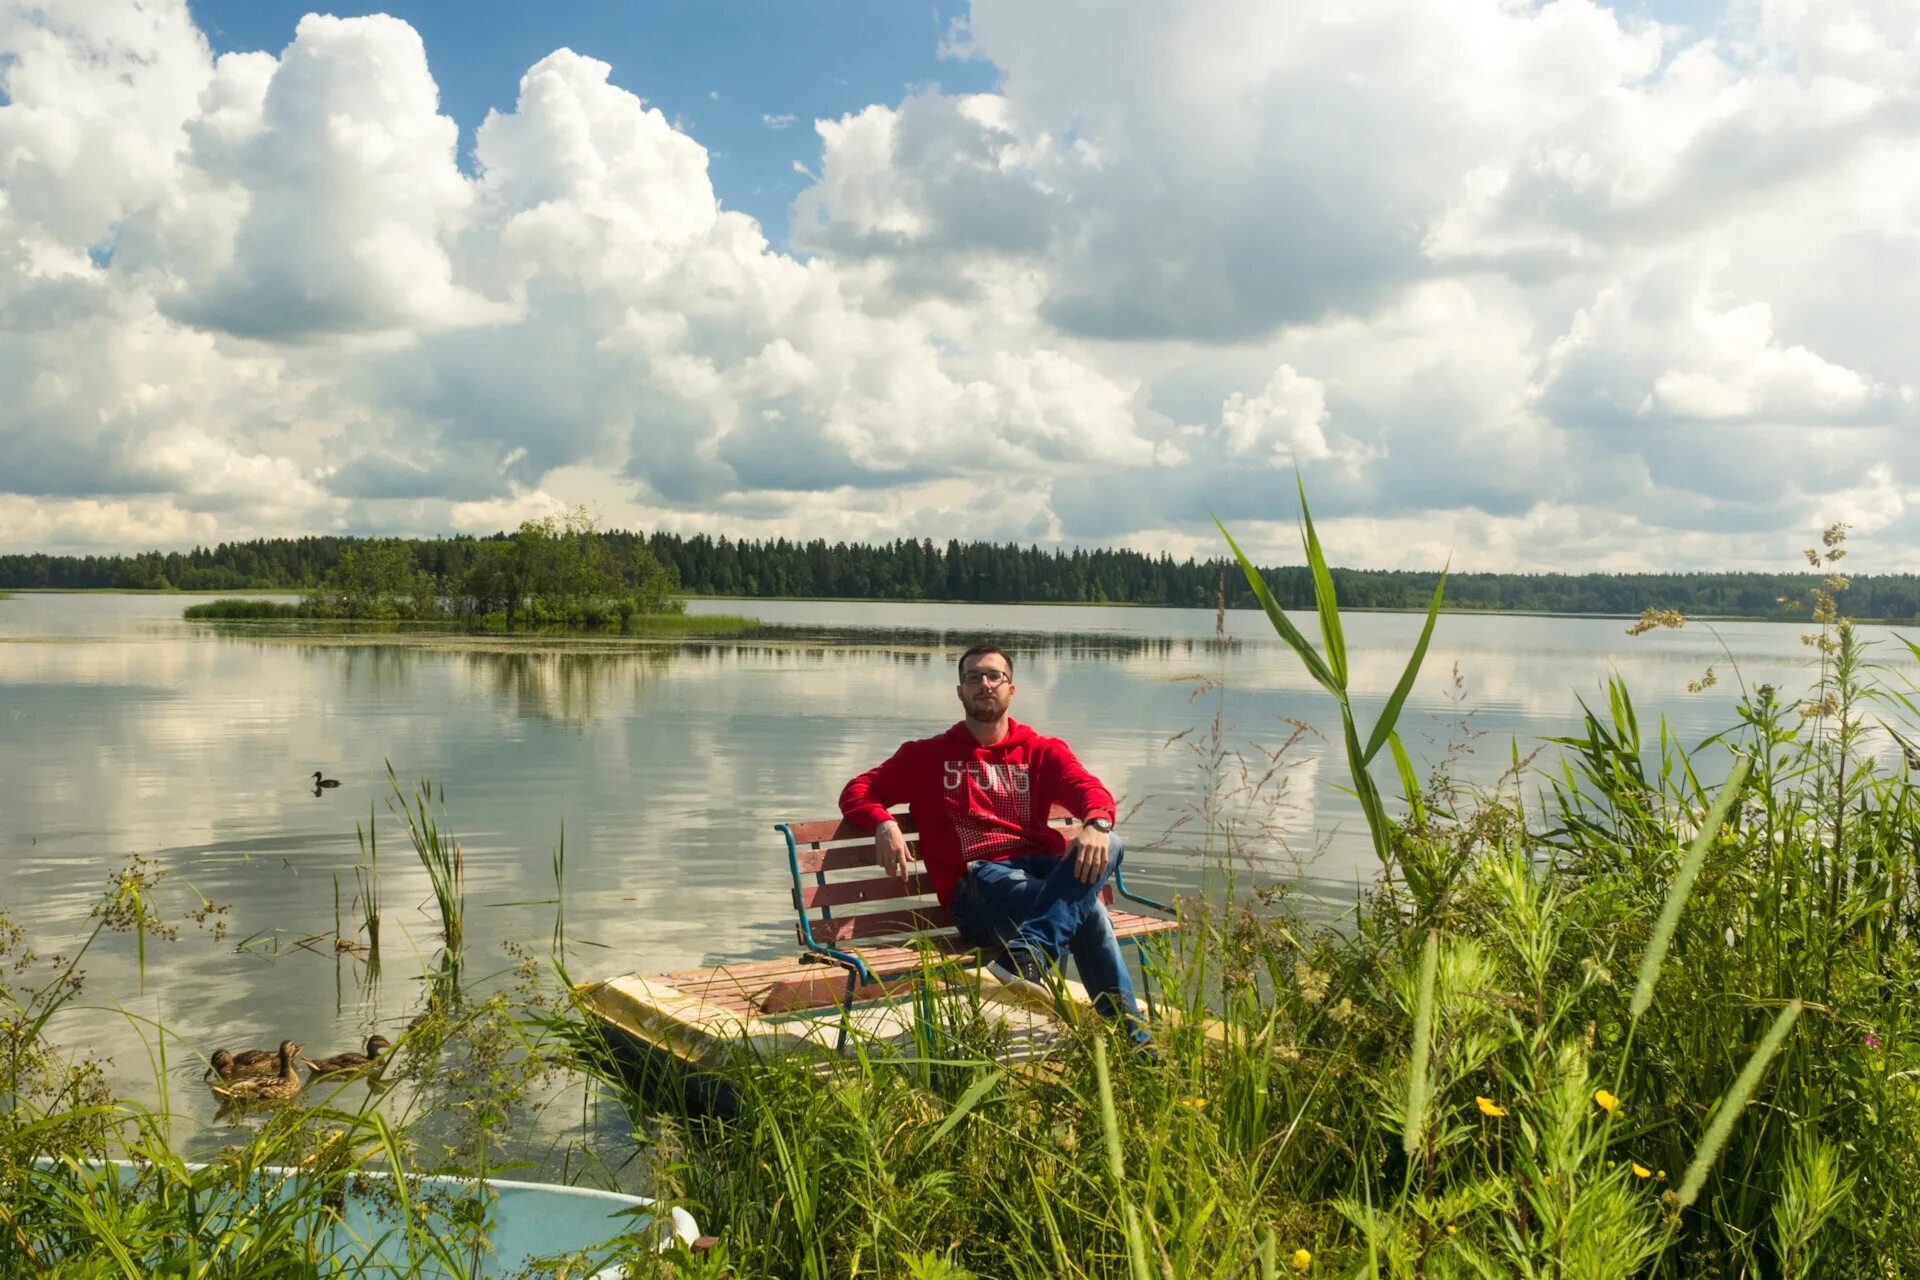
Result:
[
  {"x": 1557, "y": 285},
  {"x": 719, "y": 70}
]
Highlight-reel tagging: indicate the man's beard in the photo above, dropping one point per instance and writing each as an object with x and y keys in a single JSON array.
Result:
[{"x": 986, "y": 713}]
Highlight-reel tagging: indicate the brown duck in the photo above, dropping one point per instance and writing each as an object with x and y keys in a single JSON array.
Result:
[
  {"x": 245, "y": 1065},
  {"x": 349, "y": 1063},
  {"x": 275, "y": 1088}
]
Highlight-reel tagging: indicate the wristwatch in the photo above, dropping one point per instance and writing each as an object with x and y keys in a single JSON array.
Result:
[{"x": 1100, "y": 824}]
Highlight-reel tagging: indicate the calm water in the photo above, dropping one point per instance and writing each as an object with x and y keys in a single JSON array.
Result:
[{"x": 125, "y": 730}]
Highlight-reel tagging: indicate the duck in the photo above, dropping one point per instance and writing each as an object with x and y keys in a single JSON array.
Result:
[
  {"x": 245, "y": 1065},
  {"x": 319, "y": 781},
  {"x": 275, "y": 1088},
  {"x": 342, "y": 1064}
]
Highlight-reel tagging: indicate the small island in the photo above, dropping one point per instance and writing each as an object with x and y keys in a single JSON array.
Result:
[{"x": 558, "y": 574}]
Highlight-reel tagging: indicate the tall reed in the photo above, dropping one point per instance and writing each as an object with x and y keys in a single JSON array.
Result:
[{"x": 423, "y": 811}]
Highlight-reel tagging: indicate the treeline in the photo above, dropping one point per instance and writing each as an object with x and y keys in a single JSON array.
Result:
[{"x": 907, "y": 569}]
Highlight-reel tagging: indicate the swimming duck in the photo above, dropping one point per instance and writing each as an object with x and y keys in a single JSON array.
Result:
[
  {"x": 245, "y": 1065},
  {"x": 319, "y": 781},
  {"x": 342, "y": 1064},
  {"x": 276, "y": 1088}
]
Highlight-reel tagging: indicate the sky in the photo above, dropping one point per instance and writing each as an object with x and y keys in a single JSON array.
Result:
[{"x": 1517, "y": 286}]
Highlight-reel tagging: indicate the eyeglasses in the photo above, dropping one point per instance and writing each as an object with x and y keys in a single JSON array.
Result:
[{"x": 991, "y": 679}]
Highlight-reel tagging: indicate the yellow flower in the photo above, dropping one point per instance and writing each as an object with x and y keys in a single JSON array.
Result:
[
  {"x": 1488, "y": 1107},
  {"x": 1452, "y": 1230},
  {"x": 1604, "y": 1100},
  {"x": 1641, "y": 1171},
  {"x": 1195, "y": 1102},
  {"x": 1301, "y": 1261}
]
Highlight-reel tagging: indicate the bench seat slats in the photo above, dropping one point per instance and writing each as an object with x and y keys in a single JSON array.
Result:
[
  {"x": 871, "y": 889},
  {"x": 877, "y": 924},
  {"x": 845, "y": 858}
]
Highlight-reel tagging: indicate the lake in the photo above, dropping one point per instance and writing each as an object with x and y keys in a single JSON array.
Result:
[{"x": 125, "y": 730}]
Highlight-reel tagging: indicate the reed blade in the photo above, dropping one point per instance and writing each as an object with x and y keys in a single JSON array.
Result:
[
  {"x": 1417, "y": 1082},
  {"x": 1316, "y": 666},
  {"x": 1735, "y": 1102},
  {"x": 1390, "y": 714},
  {"x": 1682, "y": 887},
  {"x": 1324, "y": 599}
]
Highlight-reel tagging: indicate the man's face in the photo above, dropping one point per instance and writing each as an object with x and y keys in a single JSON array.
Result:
[{"x": 986, "y": 688}]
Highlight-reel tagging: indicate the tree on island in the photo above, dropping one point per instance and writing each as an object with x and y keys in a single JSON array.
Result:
[
  {"x": 560, "y": 571},
  {"x": 557, "y": 572},
  {"x": 377, "y": 582}
]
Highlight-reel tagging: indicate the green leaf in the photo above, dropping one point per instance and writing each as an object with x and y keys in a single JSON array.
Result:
[
  {"x": 1409, "y": 780},
  {"x": 1735, "y": 1102},
  {"x": 976, "y": 1091},
  {"x": 1366, "y": 792},
  {"x": 1323, "y": 595},
  {"x": 1682, "y": 887},
  {"x": 1390, "y": 714},
  {"x": 1316, "y": 667},
  {"x": 1417, "y": 1086}
]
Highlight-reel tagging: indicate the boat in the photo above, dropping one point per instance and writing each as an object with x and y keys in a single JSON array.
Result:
[{"x": 528, "y": 1220}]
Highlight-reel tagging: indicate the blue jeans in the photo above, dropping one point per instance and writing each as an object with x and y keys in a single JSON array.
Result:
[{"x": 1034, "y": 901}]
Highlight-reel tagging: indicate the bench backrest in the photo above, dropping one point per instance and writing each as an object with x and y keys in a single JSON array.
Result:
[{"x": 836, "y": 884}]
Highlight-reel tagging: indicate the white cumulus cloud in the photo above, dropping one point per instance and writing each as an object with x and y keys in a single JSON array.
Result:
[{"x": 1540, "y": 283}]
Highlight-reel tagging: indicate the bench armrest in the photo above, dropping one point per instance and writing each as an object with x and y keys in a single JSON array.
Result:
[
  {"x": 1120, "y": 887},
  {"x": 805, "y": 927}
]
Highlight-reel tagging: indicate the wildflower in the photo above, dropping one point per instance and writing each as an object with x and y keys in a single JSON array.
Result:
[
  {"x": 1196, "y": 1102},
  {"x": 1452, "y": 1230},
  {"x": 1488, "y": 1107},
  {"x": 1641, "y": 1171},
  {"x": 1870, "y": 1040},
  {"x": 1342, "y": 1012},
  {"x": 1604, "y": 1100},
  {"x": 1301, "y": 1260},
  {"x": 1313, "y": 983}
]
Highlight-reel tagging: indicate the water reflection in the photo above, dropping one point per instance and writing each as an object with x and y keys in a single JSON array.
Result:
[{"x": 570, "y": 688}]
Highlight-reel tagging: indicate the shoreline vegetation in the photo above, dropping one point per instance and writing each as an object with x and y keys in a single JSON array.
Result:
[
  {"x": 976, "y": 572},
  {"x": 558, "y": 575},
  {"x": 1640, "y": 1009}
]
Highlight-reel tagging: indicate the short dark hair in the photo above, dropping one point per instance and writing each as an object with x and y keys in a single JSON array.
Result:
[{"x": 981, "y": 651}]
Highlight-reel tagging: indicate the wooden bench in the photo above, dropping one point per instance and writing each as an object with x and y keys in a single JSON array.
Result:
[{"x": 876, "y": 927}]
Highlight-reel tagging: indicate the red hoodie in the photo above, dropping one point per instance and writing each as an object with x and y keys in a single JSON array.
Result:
[{"x": 971, "y": 802}]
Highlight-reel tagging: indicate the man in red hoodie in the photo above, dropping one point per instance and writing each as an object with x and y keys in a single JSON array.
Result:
[{"x": 979, "y": 795}]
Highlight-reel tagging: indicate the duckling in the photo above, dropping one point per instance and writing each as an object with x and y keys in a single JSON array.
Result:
[
  {"x": 319, "y": 781},
  {"x": 343, "y": 1064},
  {"x": 245, "y": 1065},
  {"x": 277, "y": 1088}
]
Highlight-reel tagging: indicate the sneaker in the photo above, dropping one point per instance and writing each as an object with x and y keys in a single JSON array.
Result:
[{"x": 1017, "y": 964}]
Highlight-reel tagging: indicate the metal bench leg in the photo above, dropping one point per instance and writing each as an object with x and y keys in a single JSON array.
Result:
[
  {"x": 1146, "y": 982},
  {"x": 846, "y": 1009}
]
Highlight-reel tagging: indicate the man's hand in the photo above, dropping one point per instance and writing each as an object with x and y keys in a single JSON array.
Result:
[
  {"x": 890, "y": 849},
  {"x": 1089, "y": 853}
]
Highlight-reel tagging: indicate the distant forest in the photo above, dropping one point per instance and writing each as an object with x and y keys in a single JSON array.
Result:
[{"x": 981, "y": 571}]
